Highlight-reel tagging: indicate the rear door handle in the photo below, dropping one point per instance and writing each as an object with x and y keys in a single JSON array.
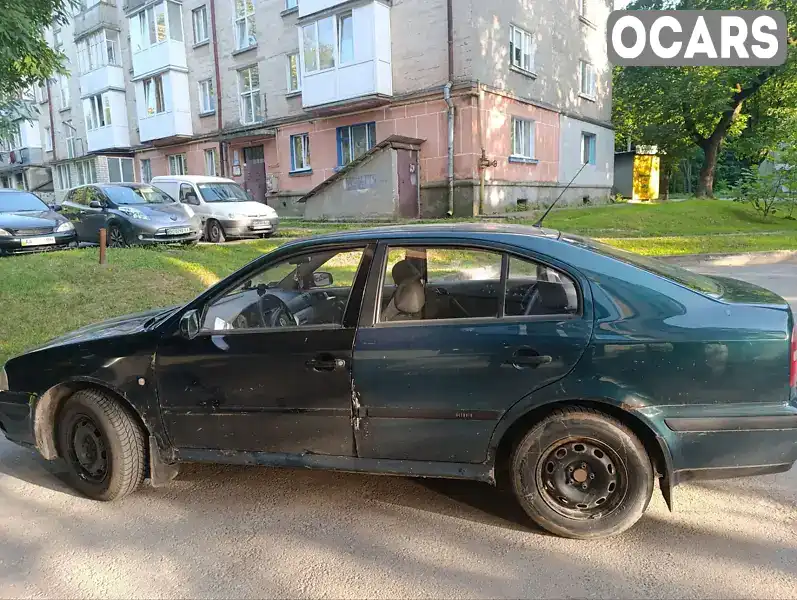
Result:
[
  {"x": 529, "y": 358},
  {"x": 326, "y": 363}
]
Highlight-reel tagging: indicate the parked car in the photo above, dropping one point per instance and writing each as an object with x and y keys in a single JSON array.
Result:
[
  {"x": 226, "y": 209},
  {"x": 582, "y": 372},
  {"x": 28, "y": 225},
  {"x": 131, "y": 213}
]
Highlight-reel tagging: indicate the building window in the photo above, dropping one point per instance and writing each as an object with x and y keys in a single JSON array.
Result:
[
  {"x": 146, "y": 170},
  {"x": 354, "y": 141},
  {"x": 120, "y": 170},
  {"x": 521, "y": 49},
  {"x": 153, "y": 96},
  {"x": 291, "y": 4},
  {"x": 97, "y": 111},
  {"x": 588, "y": 145},
  {"x": 64, "y": 177},
  {"x": 86, "y": 172},
  {"x": 69, "y": 136},
  {"x": 207, "y": 97},
  {"x": 587, "y": 79},
  {"x": 210, "y": 162},
  {"x": 346, "y": 38},
  {"x": 48, "y": 140},
  {"x": 244, "y": 24},
  {"x": 155, "y": 25},
  {"x": 522, "y": 138},
  {"x": 63, "y": 89},
  {"x": 98, "y": 50},
  {"x": 58, "y": 43},
  {"x": 41, "y": 93},
  {"x": 249, "y": 89},
  {"x": 200, "y": 19},
  {"x": 318, "y": 43},
  {"x": 178, "y": 164},
  {"x": 294, "y": 73},
  {"x": 300, "y": 152}
]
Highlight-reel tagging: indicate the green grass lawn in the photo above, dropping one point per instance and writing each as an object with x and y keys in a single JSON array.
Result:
[{"x": 45, "y": 295}]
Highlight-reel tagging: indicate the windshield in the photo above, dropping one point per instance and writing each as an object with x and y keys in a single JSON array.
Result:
[
  {"x": 20, "y": 201},
  {"x": 698, "y": 283},
  {"x": 123, "y": 196},
  {"x": 223, "y": 192}
]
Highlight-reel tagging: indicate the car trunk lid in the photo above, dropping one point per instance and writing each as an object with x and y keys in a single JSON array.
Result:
[{"x": 735, "y": 291}]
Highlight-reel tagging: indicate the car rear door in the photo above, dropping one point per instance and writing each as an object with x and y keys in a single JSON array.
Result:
[{"x": 432, "y": 385}]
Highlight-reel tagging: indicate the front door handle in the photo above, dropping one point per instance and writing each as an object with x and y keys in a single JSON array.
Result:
[
  {"x": 326, "y": 363},
  {"x": 529, "y": 359}
]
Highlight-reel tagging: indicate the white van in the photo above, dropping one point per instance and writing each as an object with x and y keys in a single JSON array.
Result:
[{"x": 226, "y": 209}]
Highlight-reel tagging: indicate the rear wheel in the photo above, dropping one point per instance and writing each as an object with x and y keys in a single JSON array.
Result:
[
  {"x": 102, "y": 444},
  {"x": 582, "y": 474},
  {"x": 215, "y": 233}
]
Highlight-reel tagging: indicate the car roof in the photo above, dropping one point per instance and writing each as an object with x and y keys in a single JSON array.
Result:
[
  {"x": 467, "y": 230},
  {"x": 3, "y": 190},
  {"x": 191, "y": 179}
]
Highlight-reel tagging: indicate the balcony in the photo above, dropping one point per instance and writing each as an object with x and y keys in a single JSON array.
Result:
[
  {"x": 101, "y": 68},
  {"x": 164, "y": 107},
  {"x": 361, "y": 70},
  {"x": 116, "y": 133},
  {"x": 159, "y": 57},
  {"x": 102, "y": 14},
  {"x": 21, "y": 157},
  {"x": 310, "y": 7},
  {"x": 156, "y": 39}
]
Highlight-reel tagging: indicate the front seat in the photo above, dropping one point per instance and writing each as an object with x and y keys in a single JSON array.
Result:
[{"x": 410, "y": 296}]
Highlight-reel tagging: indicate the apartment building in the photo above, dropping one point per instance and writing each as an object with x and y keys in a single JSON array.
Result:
[{"x": 281, "y": 94}]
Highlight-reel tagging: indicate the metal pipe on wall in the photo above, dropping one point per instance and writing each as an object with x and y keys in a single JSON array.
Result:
[
  {"x": 219, "y": 120},
  {"x": 450, "y": 104}
]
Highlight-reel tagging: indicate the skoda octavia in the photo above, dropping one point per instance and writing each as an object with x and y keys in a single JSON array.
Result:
[{"x": 580, "y": 372}]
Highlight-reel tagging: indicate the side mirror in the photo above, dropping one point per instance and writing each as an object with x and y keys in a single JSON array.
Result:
[
  {"x": 95, "y": 204},
  {"x": 56, "y": 207},
  {"x": 189, "y": 325},
  {"x": 322, "y": 279},
  {"x": 191, "y": 199}
]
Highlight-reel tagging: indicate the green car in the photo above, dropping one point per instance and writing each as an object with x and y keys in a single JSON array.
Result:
[{"x": 573, "y": 372}]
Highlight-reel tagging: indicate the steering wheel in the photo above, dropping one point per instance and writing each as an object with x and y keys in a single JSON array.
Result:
[
  {"x": 530, "y": 299},
  {"x": 275, "y": 313}
]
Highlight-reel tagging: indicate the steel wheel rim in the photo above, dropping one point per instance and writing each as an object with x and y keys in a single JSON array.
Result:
[
  {"x": 582, "y": 478},
  {"x": 117, "y": 239},
  {"x": 215, "y": 232},
  {"x": 88, "y": 450}
]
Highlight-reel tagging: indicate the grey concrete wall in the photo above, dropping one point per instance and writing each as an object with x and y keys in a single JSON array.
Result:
[
  {"x": 562, "y": 39},
  {"x": 570, "y": 153},
  {"x": 368, "y": 191}
]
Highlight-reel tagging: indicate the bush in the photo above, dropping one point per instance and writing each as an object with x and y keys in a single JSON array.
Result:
[{"x": 761, "y": 189}]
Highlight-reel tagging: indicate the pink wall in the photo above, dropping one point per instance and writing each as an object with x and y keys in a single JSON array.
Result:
[
  {"x": 497, "y": 112},
  {"x": 194, "y": 154}
]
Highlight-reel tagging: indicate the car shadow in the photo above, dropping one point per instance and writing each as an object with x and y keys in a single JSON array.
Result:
[{"x": 28, "y": 466}]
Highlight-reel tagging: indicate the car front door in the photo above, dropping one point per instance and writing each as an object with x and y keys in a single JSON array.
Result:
[
  {"x": 76, "y": 209},
  {"x": 189, "y": 196},
  {"x": 270, "y": 370},
  {"x": 96, "y": 216},
  {"x": 450, "y": 337}
]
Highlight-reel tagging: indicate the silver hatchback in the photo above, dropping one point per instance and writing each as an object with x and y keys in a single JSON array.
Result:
[{"x": 132, "y": 213}]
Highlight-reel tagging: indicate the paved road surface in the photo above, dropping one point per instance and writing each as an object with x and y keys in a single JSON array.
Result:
[{"x": 249, "y": 532}]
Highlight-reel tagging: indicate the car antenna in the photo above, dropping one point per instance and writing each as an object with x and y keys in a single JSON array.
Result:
[{"x": 545, "y": 214}]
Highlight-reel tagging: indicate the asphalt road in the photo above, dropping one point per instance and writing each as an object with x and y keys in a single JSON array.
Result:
[{"x": 251, "y": 532}]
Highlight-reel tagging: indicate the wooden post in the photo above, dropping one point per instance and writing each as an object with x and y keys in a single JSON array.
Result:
[{"x": 103, "y": 246}]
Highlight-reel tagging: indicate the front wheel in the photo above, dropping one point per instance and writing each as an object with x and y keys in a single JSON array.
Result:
[
  {"x": 102, "y": 444},
  {"x": 116, "y": 237},
  {"x": 582, "y": 474},
  {"x": 215, "y": 234}
]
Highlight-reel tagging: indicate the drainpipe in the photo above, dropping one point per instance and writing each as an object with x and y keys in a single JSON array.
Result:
[
  {"x": 52, "y": 122},
  {"x": 219, "y": 120},
  {"x": 450, "y": 103}
]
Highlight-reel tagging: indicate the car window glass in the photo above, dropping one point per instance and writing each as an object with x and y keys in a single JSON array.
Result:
[
  {"x": 185, "y": 191},
  {"x": 304, "y": 291},
  {"x": 440, "y": 283},
  {"x": 92, "y": 194},
  {"x": 21, "y": 202},
  {"x": 79, "y": 196},
  {"x": 535, "y": 289}
]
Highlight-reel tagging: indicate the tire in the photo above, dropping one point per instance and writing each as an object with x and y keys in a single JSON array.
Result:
[
  {"x": 102, "y": 444},
  {"x": 215, "y": 232},
  {"x": 116, "y": 237},
  {"x": 581, "y": 474}
]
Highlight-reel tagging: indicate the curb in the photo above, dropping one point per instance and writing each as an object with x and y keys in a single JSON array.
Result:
[{"x": 735, "y": 260}]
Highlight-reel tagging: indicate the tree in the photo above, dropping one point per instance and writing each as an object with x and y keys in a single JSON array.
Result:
[
  {"x": 705, "y": 106},
  {"x": 25, "y": 57}
]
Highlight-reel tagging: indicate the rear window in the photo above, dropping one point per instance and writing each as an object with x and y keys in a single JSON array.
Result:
[{"x": 693, "y": 281}]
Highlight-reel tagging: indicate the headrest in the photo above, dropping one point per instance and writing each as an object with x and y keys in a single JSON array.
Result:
[
  {"x": 404, "y": 271},
  {"x": 553, "y": 296},
  {"x": 410, "y": 298}
]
